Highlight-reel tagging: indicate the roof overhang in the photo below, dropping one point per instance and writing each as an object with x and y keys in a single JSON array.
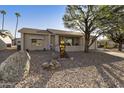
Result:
[
  {"x": 65, "y": 33},
  {"x": 33, "y": 31},
  {"x": 50, "y": 31}
]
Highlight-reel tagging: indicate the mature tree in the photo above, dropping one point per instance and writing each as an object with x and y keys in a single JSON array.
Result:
[
  {"x": 83, "y": 18},
  {"x": 112, "y": 22},
  {"x": 3, "y": 12},
  {"x": 17, "y": 16}
]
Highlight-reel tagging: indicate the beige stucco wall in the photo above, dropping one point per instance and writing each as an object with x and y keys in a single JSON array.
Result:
[
  {"x": 74, "y": 48},
  {"x": 93, "y": 46},
  {"x": 57, "y": 43},
  {"x": 22, "y": 41},
  {"x": 28, "y": 45}
]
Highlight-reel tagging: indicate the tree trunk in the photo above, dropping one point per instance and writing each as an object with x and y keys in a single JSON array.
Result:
[
  {"x": 87, "y": 36},
  {"x": 86, "y": 47},
  {"x": 120, "y": 46}
]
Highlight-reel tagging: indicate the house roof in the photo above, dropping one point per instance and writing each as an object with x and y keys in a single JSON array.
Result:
[
  {"x": 33, "y": 31},
  {"x": 50, "y": 31},
  {"x": 3, "y": 30},
  {"x": 7, "y": 33},
  {"x": 63, "y": 32}
]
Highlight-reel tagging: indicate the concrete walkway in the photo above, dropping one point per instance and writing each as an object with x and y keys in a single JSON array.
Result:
[
  {"x": 111, "y": 52},
  {"x": 118, "y": 54}
]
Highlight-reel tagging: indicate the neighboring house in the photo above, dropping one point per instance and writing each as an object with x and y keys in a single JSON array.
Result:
[
  {"x": 5, "y": 39},
  {"x": 106, "y": 43},
  {"x": 36, "y": 39}
]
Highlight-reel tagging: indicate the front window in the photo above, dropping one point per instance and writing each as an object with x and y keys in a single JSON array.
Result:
[
  {"x": 72, "y": 41},
  {"x": 69, "y": 41},
  {"x": 36, "y": 42}
]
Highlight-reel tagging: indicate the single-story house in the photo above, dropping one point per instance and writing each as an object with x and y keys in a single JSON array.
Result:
[
  {"x": 5, "y": 39},
  {"x": 107, "y": 43},
  {"x": 37, "y": 39}
]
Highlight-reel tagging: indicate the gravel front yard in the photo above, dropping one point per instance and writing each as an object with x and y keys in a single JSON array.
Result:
[{"x": 95, "y": 69}]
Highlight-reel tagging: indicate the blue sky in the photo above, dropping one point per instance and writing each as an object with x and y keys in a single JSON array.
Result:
[{"x": 34, "y": 16}]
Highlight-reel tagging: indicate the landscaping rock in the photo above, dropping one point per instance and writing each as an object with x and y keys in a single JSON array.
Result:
[
  {"x": 51, "y": 64},
  {"x": 53, "y": 61},
  {"x": 45, "y": 65},
  {"x": 58, "y": 65},
  {"x": 55, "y": 64},
  {"x": 15, "y": 67}
]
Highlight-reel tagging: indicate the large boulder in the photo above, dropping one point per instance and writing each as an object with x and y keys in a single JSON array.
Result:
[{"x": 15, "y": 67}]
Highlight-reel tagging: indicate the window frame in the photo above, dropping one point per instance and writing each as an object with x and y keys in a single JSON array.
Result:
[{"x": 35, "y": 42}]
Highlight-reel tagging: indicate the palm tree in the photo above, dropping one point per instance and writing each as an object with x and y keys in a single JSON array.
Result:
[
  {"x": 17, "y": 16},
  {"x": 3, "y": 12}
]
